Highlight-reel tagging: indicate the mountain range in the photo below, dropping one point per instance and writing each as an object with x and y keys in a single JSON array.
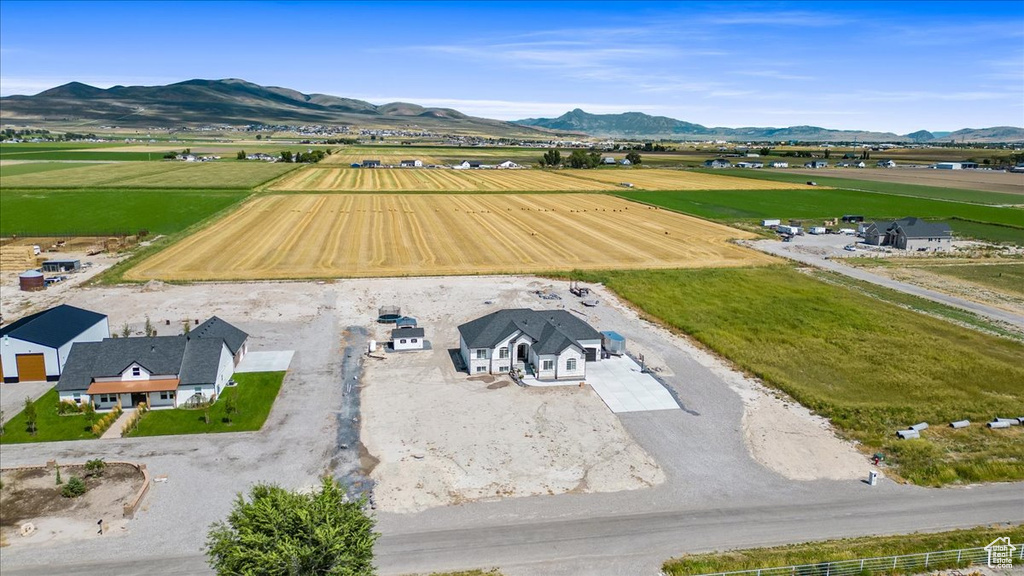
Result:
[
  {"x": 236, "y": 102},
  {"x": 639, "y": 125},
  {"x": 232, "y": 102}
]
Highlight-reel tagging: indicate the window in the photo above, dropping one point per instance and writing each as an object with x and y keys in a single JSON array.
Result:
[
  {"x": 570, "y": 364},
  {"x": 167, "y": 395},
  {"x": 503, "y": 352},
  {"x": 502, "y": 368},
  {"x": 414, "y": 340},
  {"x": 77, "y": 397},
  {"x": 108, "y": 398},
  {"x": 198, "y": 389},
  {"x": 481, "y": 368},
  {"x": 136, "y": 371},
  {"x": 402, "y": 341},
  {"x": 481, "y": 354},
  {"x": 549, "y": 365}
]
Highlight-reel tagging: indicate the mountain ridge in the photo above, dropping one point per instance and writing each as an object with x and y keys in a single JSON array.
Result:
[{"x": 640, "y": 125}]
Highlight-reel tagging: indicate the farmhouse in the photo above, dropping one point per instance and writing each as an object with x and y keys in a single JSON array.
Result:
[
  {"x": 885, "y": 164},
  {"x": 411, "y": 163},
  {"x": 909, "y": 234},
  {"x": 608, "y": 160},
  {"x": 370, "y": 164},
  {"x": 549, "y": 344},
  {"x": 750, "y": 165},
  {"x": 161, "y": 371},
  {"x": 508, "y": 165},
  {"x": 777, "y": 164},
  {"x": 36, "y": 348},
  {"x": 717, "y": 163}
]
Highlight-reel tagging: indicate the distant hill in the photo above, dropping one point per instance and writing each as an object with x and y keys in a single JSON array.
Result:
[
  {"x": 639, "y": 125},
  {"x": 234, "y": 102}
]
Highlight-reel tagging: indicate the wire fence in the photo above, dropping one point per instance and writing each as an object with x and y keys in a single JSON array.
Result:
[{"x": 902, "y": 564}]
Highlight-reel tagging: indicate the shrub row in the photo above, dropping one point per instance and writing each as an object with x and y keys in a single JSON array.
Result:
[
  {"x": 133, "y": 420},
  {"x": 100, "y": 427}
]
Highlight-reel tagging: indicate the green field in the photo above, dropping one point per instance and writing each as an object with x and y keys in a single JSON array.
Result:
[
  {"x": 1003, "y": 277},
  {"x": 894, "y": 188},
  {"x": 255, "y": 395},
  {"x": 104, "y": 212},
  {"x": 91, "y": 155},
  {"x": 167, "y": 174},
  {"x": 869, "y": 366},
  {"x": 846, "y": 549},
  {"x": 33, "y": 167}
]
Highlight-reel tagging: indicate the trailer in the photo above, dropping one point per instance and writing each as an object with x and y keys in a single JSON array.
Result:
[
  {"x": 818, "y": 230},
  {"x": 613, "y": 343},
  {"x": 791, "y": 230},
  {"x": 770, "y": 223}
]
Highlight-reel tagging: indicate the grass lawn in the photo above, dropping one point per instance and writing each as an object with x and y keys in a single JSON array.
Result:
[
  {"x": 894, "y": 188},
  {"x": 254, "y": 396},
  {"x": 869, "y": 366},
  {"x": 846, "y": 549},
  {"x": 50, "y": 426},
  {"x": 103, "y": 212},
  {"x": 1003, "y": 277}
]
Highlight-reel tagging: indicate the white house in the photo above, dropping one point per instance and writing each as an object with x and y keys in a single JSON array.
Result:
[
  {"x": 36, "y": 348},
  {"x": 608, "y": 160},
  {"x": 407, "y": 338},
  {"x": 886, "y": 164},
  {"x": 411, "y": 163},
  {"x": 162, "y": 371},
  {"x": 777, "y": 164},
  {"x": 508, "y": 165},
  {"x": 550, "y": 344}
]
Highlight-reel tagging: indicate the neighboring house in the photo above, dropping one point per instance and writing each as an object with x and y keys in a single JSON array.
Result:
[
  {"x": 551, "y": 344},
  {"x": 749, "y": 165},
  {"x": 909, "y": 234},
  {"x": 717, "y": 163},
  {"x": 162, "y": 371},
  {"x": 608, "y": 160},
  {"x": 407, "y": 338},
  {"x": 860, "y": 165},
  {"x": 626, "y": 162},
  {"x": 411, "y": 163},
  {"x": 816, "y": 164},
  {"x": 778, "y": 164},
  {"x": 36, "y": 348},
  {"x": 885, "y": 164},
  {"x": 371, "y": 164},
  {"x": 508, "y": 165}
]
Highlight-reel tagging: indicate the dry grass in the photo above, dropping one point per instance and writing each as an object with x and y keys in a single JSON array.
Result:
[
  {"x": 241, "y": 175},
  {"x": 313, "y": 236},
  {"x": 345, "y": 158},
  {"x": 316, "y": 179},
  {"x": 321, "y": 179}
]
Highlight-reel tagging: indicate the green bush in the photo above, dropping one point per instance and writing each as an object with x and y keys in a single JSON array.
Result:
[
  {"x": 95, "y": 467},
  {"x": 74, "y": 488}
]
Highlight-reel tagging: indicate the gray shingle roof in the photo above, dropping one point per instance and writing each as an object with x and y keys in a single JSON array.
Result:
[
  {"x": 202, "y": 357},
  {"x": 406, "y": 333},
  {"x": 54, "y": 327},
  {"x": 216, "y": 328},
  {"x": 917, "y": 228},
  {"x": 551, "y": 330}
]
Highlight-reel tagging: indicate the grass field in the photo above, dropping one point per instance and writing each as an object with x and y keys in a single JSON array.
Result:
[
  {"x": 7, "y": 169},
  {"x": 988, "y": 186},
  {"x": 112, "y": 155},
  {"x": 908, "y": 185},
  {"x": 867, "y": 365},
  {"x": 102, "y": 212},
  {"x": 238, "y": 175},
  {"x": 390, "y": 157},
  {"x": 1003, "y": 277},
  {"x": 846, "y": 549},
  {"x": 254, "y": 397},
  {"x": 817, "y": 203},
  {"x": 319, "y": 179},
  {"x": 313, "y": 236}
]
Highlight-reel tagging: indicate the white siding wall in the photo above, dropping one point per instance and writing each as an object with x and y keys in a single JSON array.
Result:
[
  {"x": 94, "y": 333},
  {"x": 225, "y": 370},
  {"x": 409, "y": 344},
  {"x": 10, "y": 348},
  {"x": 128, "y": 374},
  {"x": 543, "y": 374},
  {"x": 563, "y": 359}
]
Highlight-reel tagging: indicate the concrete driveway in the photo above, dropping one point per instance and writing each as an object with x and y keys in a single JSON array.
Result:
[
  {"x": 271, "y": 361},
  {"x": 624, "y": 388},
  {"x": 12, "y": 396}
]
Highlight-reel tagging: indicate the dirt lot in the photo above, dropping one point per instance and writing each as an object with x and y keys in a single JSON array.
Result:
[
  {"x": 316, "y": 236},
  {"x": 32, "y": 496},
  {"x": 971, "y": 179}
]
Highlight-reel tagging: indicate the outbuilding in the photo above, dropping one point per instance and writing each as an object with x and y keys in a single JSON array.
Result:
[
  {"x": 36, "y": 348},
  {"x": 57, "y": 266},
  {"x": 407, "y": 338}
]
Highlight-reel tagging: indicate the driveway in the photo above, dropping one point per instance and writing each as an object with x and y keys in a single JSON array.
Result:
[
  {"x": 269, "y": 361},
  {"x": 12, "y": 396},
  {"x": 624, "y": 388}
]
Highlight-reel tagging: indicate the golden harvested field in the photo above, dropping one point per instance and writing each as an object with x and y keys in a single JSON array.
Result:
[
  {"x": 153, "y": 175},
  {"x": 317, "y": 179},
  {"x": 339, "y": 235},
  {"x": 320, "y": 179},
  {"x": 655, "y": 179}
]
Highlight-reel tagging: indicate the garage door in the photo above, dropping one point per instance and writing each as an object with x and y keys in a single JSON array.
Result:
[
  {"x": 31, "y": 368},
  {"x": 591, "y": 354}
]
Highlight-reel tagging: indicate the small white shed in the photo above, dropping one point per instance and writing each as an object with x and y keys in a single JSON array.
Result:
[{"x": 407, "y": 338}]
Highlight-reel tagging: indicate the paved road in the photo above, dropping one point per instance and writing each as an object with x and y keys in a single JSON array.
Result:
[
  {"x": 629, "y": 544},
  {"x": 783, "y": 250}
]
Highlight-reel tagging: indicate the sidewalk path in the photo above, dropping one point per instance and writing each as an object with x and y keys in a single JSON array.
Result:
[{"x": 114, "y": 432}]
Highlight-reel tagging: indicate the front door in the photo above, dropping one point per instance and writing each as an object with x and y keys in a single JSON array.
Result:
[
  {"x": 138, "y": 398},
  {"x": 522, "y": 354}
]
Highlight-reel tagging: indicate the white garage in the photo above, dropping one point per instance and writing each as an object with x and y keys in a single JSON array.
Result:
[{"x": 36, "y": 347}]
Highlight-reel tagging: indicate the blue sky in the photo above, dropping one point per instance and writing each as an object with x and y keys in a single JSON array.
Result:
[{"x": 878, "y": 66}]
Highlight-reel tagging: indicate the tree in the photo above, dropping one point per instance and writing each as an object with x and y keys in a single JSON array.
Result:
[
  {"x": 240, "y": 155},
  {"x": 95, "y": 467},
  {"x": 74, "y": 488},
  {"x": 277, "y": 531},
  {"x": 126, "y": 330},
  {"x": 286, "y": 156},
  {"x": 230, "y": 407},
  {"x": 634, "y": 158},
  {"x": 552, "y": 158},
  {"x": 259, "y": 136},
  {"x": 30, "y": 416},
  {"x": 149, "y": 328}
]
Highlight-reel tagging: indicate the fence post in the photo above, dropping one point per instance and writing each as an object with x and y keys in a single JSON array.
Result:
[
  {"x": 861, "y": 564},
  {"x": 828, "y": 569},
  {"x": 958, "y": 553},
  {"x": 894, "y": 559},
  {"x": 926, "y": 559}
]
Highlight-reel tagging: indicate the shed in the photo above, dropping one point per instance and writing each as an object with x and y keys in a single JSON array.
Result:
[
  {"x": 405, "y": 322},
  {"x": 407, "y": 338},
  {"x": 31, "y": 281},
  {"x": 36, "y": 347},
  {"x": 62, "y": 266},
  {"x": 613, "y": 342}
]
